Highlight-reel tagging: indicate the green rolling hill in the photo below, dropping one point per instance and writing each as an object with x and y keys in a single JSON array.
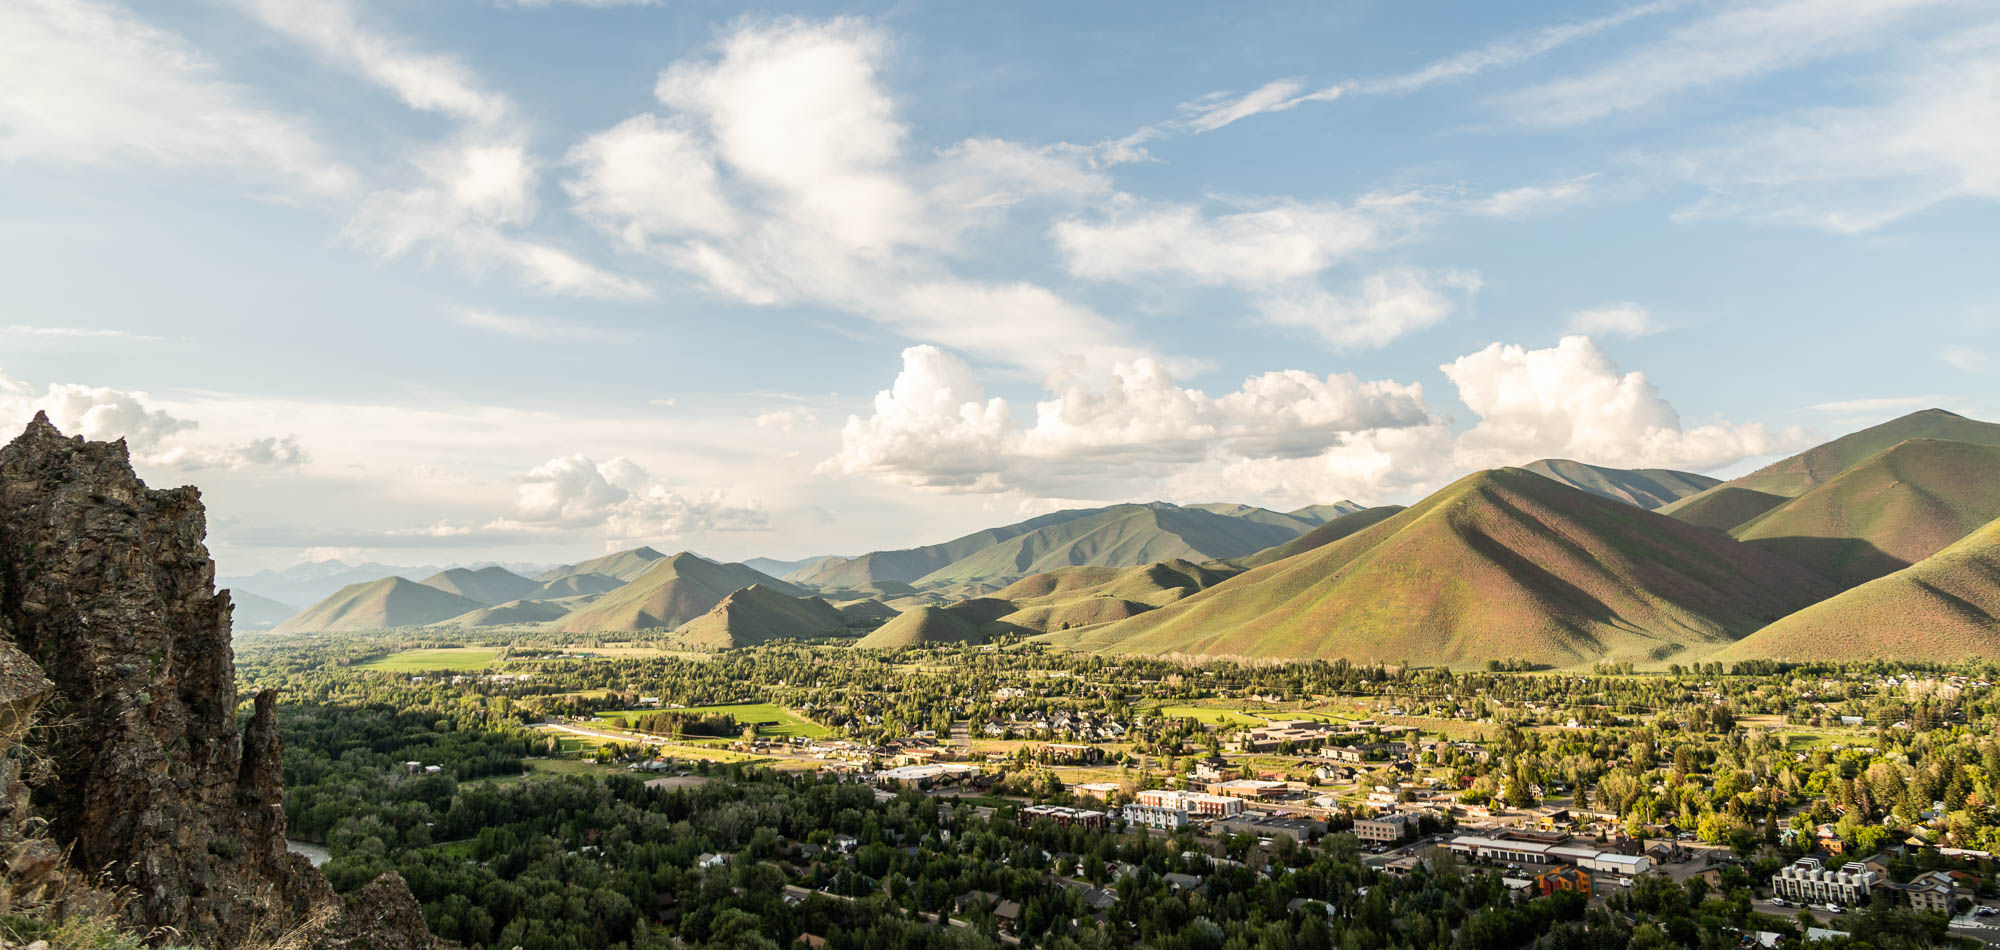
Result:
[
  {"x": 866, "y": 612},
  {"x": 1501, "y": 564},
  {"x": 1943, "y": 609},
  {"x": 488, "y": 585},
  {"x": 1325, "y": 534},
  {"x": 672, "y": 592},
  {"x": 379, "y": 605},
  {"x": 908, "y": 564},
  {"x": 1722, "y": 507},
  {"x": 254, "y": 612},
  {"x": 1321, "y": 514},
  {"x": 1117, "y": 536},
  {"x": 623, "y": 565},
  {"x": 759, "y": 614},
  {"x": 1886, "y": 512},
  {"x": 1158, "y": 583},
  {"x": 586, "y": 584},
  {"x": 514, "y": 613},
  {"x": 1120, "y": 536},
  {"x": 1792, "y": 477},
  {"x": 1071, "y": 597},
  {"x": 1645, "y": 487},
  {"x": 970, "y": 621}
]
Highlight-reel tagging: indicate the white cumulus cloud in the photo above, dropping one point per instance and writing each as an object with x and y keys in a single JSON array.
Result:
[
  {"x": 937, "y": 428},
  {"x": 620, "y": 500},
  {"x": 1571, "y": 401},
  {"x": 779, "y": 171}
]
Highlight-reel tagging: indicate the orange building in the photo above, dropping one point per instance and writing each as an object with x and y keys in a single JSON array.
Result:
[{"x": 1564, "y": 879}]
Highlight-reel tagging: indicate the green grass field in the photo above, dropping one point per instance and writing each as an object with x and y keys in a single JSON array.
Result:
[
  {"x": 455, "y": 659},
  {"x": 787, "y": 722},
  {"x": 1210, "y": 716}
]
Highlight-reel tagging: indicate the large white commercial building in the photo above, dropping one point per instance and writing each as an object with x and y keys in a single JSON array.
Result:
[
  {"x": 1198, "y": 804},
  {"x": 1531, "y": 852}
]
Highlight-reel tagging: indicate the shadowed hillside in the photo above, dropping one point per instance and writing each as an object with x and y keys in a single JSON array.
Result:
[
  {"x": 514, "y": 613},
  {"x": 1121, "y": 536},
  {"x": 1501, "y": 564},
  {"x": 1117, "y": 536},
  {"x": 1646, "y": 487},
  {"x": 379, "y": 605},
  {"x": 971, "y": 621},
  {"x": 1722, "y": 507},
  {"x": 1944, "y": 609},
  {"x": 623, "y": 565},
  {"x": 672, "y": 592},
  {"x": 759, "y": 614},
  {"x": 1886, "y": 512},
  {"x": 1792, "y": 477},
  {"x": 586, "y": 584},
  {"x": 488, "y": 585},
  {"x": 1325, "y": 534}
]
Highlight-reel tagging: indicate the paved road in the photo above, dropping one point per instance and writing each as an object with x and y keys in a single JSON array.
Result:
[{"x": 1986, "y": 930}]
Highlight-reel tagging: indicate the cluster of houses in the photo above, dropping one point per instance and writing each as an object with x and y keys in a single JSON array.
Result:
[
  {"x": 1301, "y": 734},
  {"x": 1079, "y": 726}
]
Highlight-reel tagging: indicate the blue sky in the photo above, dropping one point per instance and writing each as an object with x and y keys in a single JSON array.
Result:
[{"x": 433, "y": 281}]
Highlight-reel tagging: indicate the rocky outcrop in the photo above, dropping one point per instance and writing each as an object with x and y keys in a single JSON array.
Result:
[{"x": 107, "y": 594}]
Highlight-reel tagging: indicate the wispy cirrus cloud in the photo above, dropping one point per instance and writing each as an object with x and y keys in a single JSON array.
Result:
[
  {"x": 91, "y": 83},
  {"x": 1877, "y": 404},
  {"x": 337, "y": 31},
  {"x": 1732, "y": 44},
  {"x": 74, "y": 333},
  {"x": 1929, "y": 134},
  {"x": 1219, "y": 109},
  {"x": 1627, "y": 319},
  {"x": 533, "y": 328}
]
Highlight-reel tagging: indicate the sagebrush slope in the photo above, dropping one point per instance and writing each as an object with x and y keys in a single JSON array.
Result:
[{"x": 1501, "y": 564}]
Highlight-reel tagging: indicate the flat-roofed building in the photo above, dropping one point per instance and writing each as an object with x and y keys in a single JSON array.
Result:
[
  {"x": 1196, "y": 804},
  {"x": 1511, "y": 850},
  {"x": 1061, "y": 815},
  {"x": 1300, "y": 830},
  {"x": 1156, "y": 816},
  {"x": 1387, "y": 827},
  {"x": 1252, "y": 788},
  {"x": 1810, "y": 881}
]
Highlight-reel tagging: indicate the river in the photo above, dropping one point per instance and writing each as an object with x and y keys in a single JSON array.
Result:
[{"x": 317, "y": 854}]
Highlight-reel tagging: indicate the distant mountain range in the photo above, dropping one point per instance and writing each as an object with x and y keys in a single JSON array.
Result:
[
  {"x": 1881, "y": 543},
  {"x": 315, "y": 580}
]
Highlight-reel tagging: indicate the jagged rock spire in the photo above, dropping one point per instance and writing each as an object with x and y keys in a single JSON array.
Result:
[{"x": 107, "y": 591}]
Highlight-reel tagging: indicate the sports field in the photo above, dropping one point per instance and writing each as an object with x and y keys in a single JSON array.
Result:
[
  {"x": 455, "y": 659},
  {"x": 778, "y": 721}
]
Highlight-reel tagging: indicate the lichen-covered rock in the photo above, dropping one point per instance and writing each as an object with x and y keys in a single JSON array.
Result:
[{"x": 107, "y": 593}]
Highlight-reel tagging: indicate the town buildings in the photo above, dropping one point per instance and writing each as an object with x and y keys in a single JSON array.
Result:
[
  {"x": 1809, "y": 880},
  {"x": 1385, "y": 827}
]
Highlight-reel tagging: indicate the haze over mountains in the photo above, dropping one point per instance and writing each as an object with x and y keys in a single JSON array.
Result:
[{"x": 1881, "y": 542}]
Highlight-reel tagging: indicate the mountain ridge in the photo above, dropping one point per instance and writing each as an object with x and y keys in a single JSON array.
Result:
[{"x": 1502, "y": 564}]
